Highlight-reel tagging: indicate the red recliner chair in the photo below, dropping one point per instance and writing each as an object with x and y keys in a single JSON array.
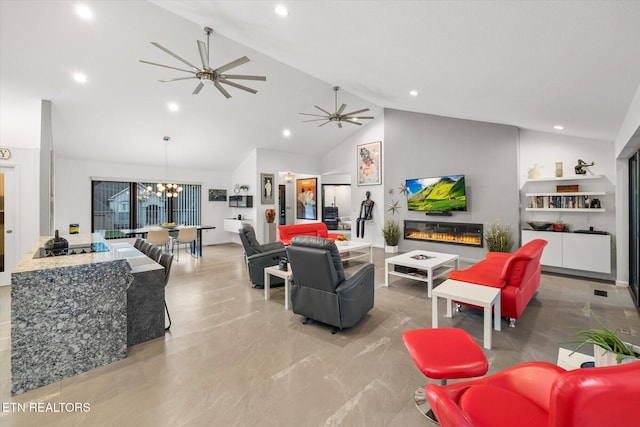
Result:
[
  {"x": 540, "y": 394},
  {"x": 517, "y": 274}
]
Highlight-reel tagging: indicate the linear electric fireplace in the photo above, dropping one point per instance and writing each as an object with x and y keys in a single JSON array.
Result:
[{"x": 455, "y": 233}]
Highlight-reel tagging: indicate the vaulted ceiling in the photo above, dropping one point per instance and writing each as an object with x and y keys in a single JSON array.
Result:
[{"x": 529, "y": 64}]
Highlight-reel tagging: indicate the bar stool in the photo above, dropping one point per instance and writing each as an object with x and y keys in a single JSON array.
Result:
[{"x": 443, "y": 354}]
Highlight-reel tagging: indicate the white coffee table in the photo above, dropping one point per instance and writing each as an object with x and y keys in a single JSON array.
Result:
[
  {"x": 470, "y": 293},
  {"x": 433, "y": 265},
  {"x": 286, "y": 275},
  {"x": 359, "y": 249}
]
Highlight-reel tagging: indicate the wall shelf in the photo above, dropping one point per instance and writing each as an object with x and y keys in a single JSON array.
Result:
[
  {"x": 565, "y": 178},
  {"x": 564, "y": 210}
]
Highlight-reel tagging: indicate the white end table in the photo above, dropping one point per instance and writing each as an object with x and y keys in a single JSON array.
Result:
[
  {"x": 286, "y": 275},
  {"x": 470, "y": 293},
  {"x": 432, "y": 264}
]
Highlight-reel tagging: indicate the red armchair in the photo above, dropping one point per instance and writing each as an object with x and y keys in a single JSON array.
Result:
[
  {"x": 539, "y": 394},
  {"x": 517, "y": 274}
]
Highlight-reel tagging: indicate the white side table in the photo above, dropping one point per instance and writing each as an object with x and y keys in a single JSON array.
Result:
[
  {"x": 286, "y": 275},
  {"x": 483, "y": 296}
]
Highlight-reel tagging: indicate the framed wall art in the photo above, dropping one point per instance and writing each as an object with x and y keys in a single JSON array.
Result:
[
  {"x": 306, "y": 198},
  {"x": 217, "y": 195},
  {"x": 369, "y": 163},
  {"x": 266, "y": 185}
]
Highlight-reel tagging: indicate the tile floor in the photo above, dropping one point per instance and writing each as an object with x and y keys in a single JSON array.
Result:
[{"x": 234, "y": 359}]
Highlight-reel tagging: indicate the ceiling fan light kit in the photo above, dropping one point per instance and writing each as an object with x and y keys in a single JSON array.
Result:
[
  {"x": 206, "y": 74},
  {"x": 338, "y": 116}
]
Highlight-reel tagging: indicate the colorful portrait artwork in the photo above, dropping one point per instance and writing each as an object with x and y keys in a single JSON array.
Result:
[
  {"x": 369, "y": 163},
  {"x": 306, "y": 197}
]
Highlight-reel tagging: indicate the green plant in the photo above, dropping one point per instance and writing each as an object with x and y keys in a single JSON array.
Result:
[
  {"x": 498, "y": 238},
  {"x": 391, "y": 232},
  {"x": 604, "y": 338}
]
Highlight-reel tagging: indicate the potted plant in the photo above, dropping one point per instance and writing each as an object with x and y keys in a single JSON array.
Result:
[
  {"x": 608, "y": 348},
  {"x": 391, "y": 233},
  {"x": 498, "y": 238}
]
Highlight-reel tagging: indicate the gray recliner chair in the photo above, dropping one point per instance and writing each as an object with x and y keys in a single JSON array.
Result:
[
  {"x": 260, "y": 256},
  {"x": 321, "y": 291}
]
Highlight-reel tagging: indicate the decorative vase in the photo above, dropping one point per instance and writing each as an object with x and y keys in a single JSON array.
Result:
[
  {"x": 391, "y": 249},
  {"x": 270, "y": 215}
]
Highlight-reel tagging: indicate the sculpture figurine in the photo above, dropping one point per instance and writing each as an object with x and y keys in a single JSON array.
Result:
[
  {"x": 580, "y": 167},
  {"x": 366, "y": 213}
]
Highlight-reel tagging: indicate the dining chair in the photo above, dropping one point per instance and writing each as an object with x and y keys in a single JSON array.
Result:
[
  {"x": 186, "y": 236},
  {"x": 154, "y": 253},
  {"x": 158, "y": 237},
  {"x": 145, "y": 248},
  {"x": 138, "y": 243},
  {"x": 166, "y": 259}
]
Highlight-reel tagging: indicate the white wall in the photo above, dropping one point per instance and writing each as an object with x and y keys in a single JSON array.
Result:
[{"x": 73, "y": 191}]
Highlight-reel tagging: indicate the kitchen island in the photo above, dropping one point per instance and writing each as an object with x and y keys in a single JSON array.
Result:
[{"x": 69, "y": 313}]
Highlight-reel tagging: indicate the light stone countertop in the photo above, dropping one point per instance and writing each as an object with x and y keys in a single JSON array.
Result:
[{"x": 28, "y": 263}]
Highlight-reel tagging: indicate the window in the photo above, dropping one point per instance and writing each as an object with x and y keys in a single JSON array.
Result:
[{"x": 123, "y": 205}]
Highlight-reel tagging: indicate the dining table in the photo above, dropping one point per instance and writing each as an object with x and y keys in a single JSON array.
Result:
[{"x": 196, "y": 247}]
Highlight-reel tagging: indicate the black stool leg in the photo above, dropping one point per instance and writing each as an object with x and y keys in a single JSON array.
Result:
[{"x": 168, "y": 315}]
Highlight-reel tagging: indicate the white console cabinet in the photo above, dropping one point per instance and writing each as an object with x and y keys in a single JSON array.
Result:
[
  {"x": 587, "y": 252},
  {"x": 233, "y": 225}
]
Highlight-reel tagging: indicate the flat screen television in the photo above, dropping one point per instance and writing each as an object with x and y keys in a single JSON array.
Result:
[{"x": 437, "y": 194}]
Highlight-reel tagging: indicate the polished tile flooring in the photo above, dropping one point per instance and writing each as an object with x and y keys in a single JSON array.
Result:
[{"x": 235, "y": 359}]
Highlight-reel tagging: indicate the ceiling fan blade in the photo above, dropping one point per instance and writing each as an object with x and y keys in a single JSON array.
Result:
[
  {"x": 323, "y": 110},
  {"x": 242, "y": 77},
  {"x": 328, "y": 121},
  {"x": 222, "y": 90},
  {"x": 177, "y": 78},
  {"x": 356, "y": 112},
  {"x": 204, "y": 54},
  {"x": 230, "y": 83},
  {"x": 315, "y": 115},
  {"x": 313, "y": 120},
  {"x": 232, "y": 64},
  {"x": 198, "y": 88},
  {"x": 159, "y": 46},
  {"x": 166, "y": 66},
  {"x": 342, "y": 107},
  {"x": 352, "y": 122},
  {"x": 351, "y": 117}
]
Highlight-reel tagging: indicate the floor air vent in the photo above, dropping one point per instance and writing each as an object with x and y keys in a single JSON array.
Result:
[{"x": 600, "y": 293}]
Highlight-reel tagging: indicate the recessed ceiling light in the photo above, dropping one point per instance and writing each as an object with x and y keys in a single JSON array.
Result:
[
  {"x": 413, "y": 93},
  {"x": 286, "y": 132},
  {"x": 84, "y": 12},
  {"x": 80, "y": 77},
  {"x": 172, "y": 106},
  {"x": 281, "y": 10},
  {"x": 558, "y": 127}
]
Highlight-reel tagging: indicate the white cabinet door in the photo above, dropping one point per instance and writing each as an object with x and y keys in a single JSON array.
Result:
[
  {"x": 552, "y": 253},
  {"x": 590, "y": 252}
]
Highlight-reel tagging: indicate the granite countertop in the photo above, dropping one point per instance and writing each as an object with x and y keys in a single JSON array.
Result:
[{"x": 28, "y": 263}]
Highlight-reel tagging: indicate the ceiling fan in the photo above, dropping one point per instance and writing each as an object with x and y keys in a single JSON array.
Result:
[
  {"x": 337, "y": 116},
  {"x": 206, "y": 74}
]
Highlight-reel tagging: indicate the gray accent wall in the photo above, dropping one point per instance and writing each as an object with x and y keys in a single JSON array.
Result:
[{"x": 422, "y": 145}]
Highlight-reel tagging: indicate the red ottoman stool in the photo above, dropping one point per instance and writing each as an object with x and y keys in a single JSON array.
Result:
[{"x": 442, "y": 354}]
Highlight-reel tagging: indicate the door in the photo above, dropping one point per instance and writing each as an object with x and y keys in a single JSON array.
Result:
[
  {"x": 282, "y": 204},
  {"x": 634, "y": 226},
  {"x": 7, "y": 223}
]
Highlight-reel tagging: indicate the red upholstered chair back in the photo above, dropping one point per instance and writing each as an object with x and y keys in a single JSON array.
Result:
[
  {"x": 524, "y": 264},
  {"x": 606, "y": 396}
]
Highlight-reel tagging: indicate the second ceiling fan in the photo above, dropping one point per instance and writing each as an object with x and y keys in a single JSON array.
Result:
[
  {"x": 338, "y": 116},
  {"x": 206, "y": 74}
]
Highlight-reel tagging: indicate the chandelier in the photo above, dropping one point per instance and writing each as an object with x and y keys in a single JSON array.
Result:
[{"x": 170, "y": 189}]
